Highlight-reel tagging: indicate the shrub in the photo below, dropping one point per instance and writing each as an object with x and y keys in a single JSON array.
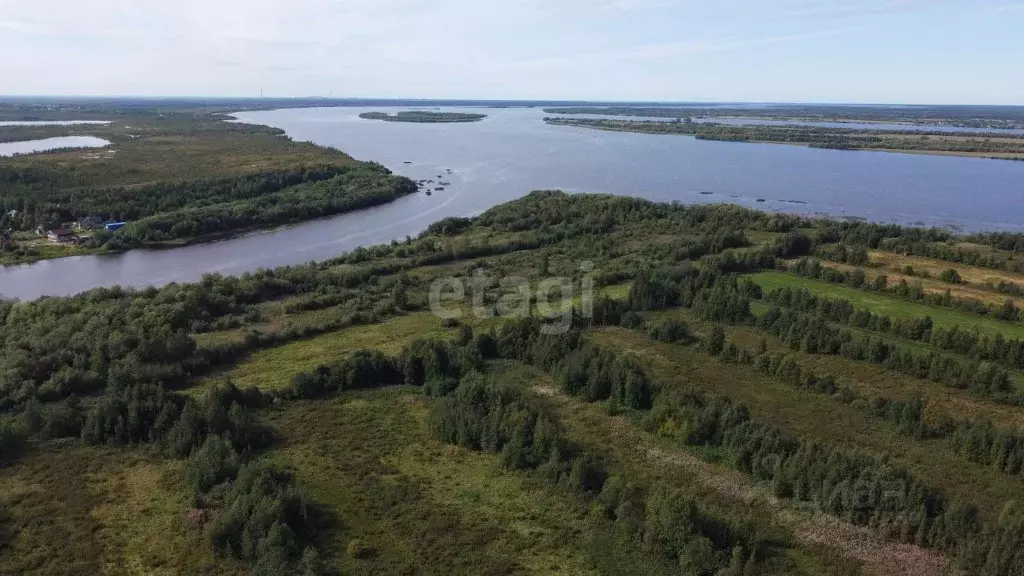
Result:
[
  {"x": 950, "y": 276},
  {"x": 213, "y": 463},
  {"x": 715, "y": 342},
  {"x": 670, "y": 331},
  {"x": 12, "y": 439}
]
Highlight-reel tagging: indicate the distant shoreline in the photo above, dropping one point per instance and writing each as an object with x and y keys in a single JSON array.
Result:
[
  {"x": 967, "y": 145},
  {"x": 424, "y": 117}
]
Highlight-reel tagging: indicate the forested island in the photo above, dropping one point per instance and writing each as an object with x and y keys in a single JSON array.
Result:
[
  {"x": 982, "y": 117},
  {"x": 422, "y": 116},
  {"x": 986, "y": 145},
  {"x": 173, "y": 176},
  {"x": 745, "y": 394}
]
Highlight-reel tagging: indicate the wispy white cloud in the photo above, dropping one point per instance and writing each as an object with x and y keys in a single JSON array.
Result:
[
  {"x": 866, "y": 8},
  {"x": 676, "y": 49}
]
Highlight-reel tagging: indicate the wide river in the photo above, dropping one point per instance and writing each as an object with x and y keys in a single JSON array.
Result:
[{"x": 513, "y": 152}]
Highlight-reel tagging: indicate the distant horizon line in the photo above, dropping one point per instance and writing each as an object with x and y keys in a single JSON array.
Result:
[{"x": 13, "y": 98}]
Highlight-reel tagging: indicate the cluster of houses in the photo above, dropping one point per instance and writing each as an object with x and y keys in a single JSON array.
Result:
[{"x": 69, "y": 233}]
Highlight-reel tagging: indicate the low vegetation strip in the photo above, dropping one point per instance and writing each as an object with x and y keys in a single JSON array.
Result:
[
  {"x": 921, "y": 266},
  {"x": 1006, "y": 148},
  {"x": 422, "y": 116},
  {"x": 967, "y": 117}
]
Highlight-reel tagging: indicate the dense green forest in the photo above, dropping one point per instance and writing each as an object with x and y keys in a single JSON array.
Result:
[
  {"x": 422, "y": 116},
  {"x": 738, "y": 397},
  {"x": 1007, "y": 147}
]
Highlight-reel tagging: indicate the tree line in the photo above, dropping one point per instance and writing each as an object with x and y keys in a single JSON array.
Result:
[
  {"x": 817, "y": 336},
  {"x": 352, "y": 190},
  {"x": 969, "y": 342},
  {"x": 40, "y": 203}
]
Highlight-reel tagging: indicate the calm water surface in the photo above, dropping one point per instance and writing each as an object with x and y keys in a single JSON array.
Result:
[
  {"x": 32, "y": 146},
  {"x": 513, "y": 151}
]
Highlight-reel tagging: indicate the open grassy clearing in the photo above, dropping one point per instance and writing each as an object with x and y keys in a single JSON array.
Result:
[
  {"x": 102, "y": 511},
  {"x": 933, "y": 285},
  {"x": 998, "y": 253},
  {"x": 760, "y": 237},
  {"x": 808, "y": 414},
  {"x": 273, "y": 368},
  {"x": 970, "y": 274},
  {"x": 421, "y": 506},
  {"x": 888, "y": 306}
]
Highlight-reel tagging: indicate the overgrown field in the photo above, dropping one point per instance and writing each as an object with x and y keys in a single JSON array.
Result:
[
  {"x": 727, "y": 393},
  {"x": 888, "y": 306}
]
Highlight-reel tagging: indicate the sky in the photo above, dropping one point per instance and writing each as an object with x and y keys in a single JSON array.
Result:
[{"x": 872, "y": 51}]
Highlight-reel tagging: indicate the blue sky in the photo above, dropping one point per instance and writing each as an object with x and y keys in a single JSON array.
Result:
[{"x": 896, "y": 51}]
